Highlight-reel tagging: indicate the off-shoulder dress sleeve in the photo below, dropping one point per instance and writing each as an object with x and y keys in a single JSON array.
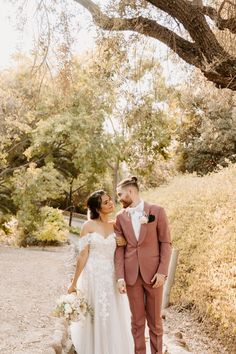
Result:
[{"x": 84, "y": 241}]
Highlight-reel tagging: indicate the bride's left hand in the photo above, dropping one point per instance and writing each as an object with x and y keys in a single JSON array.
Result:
[
  {"x": 121, "y": 241},
  {"x": 71, "y": 289}
]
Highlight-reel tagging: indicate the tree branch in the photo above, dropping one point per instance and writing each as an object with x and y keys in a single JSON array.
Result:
[
  {"x": 185, "y": 49},
  {"x": 7, "y": 170},
  {"x": 77, "y": 189},
  {"x": 220, "y": 22},
  {"x": 174, "y": 8},
  {"x": 204, "y": 51}
]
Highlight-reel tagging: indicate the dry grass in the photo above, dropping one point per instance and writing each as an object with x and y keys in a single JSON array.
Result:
[{"x": 202, "y": 214}]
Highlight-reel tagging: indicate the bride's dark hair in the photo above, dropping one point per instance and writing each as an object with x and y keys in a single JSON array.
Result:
[{"x": 94, "y": 203}]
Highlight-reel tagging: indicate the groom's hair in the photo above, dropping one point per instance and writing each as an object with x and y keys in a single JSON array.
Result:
[{"x": 130, "y": 181}]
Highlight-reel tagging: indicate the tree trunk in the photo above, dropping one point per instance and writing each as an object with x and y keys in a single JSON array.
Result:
[
  {"x": 71, "y": 203},
  {"x": 115, "y": 179}
]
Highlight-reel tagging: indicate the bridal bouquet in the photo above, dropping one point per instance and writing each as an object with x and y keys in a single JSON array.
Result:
[{"x": 73, "y": 307}]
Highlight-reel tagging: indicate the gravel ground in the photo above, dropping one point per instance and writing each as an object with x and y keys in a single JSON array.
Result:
[
  {"x": 184, "y": 335},
  {"x": 32, "y": 279}
]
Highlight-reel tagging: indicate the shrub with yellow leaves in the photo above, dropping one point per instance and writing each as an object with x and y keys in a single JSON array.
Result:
[
  {"x": 53, "y": 228},
  {"x": 202, "y": 215}
]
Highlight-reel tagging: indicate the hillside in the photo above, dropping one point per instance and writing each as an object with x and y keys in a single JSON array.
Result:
[{"x": 202, "y": 214}]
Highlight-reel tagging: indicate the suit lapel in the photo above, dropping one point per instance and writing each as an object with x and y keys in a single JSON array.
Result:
[
  {"x": 129, "y": 231},
  {"x": 143, "y": 229}
]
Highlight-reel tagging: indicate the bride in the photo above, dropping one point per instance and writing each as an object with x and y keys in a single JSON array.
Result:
[{"x": 109, "y": 332}]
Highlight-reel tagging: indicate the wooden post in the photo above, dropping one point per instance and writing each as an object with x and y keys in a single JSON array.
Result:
[{"x": 170, "y": 278}]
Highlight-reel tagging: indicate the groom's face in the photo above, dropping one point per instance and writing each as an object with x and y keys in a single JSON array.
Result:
[{"x": 124, "y": 196}]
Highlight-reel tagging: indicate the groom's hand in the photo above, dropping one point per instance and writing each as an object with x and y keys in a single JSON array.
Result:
[
  {"x": 158, "y": 280},
  {"x": 121, "y": 241},
  {"x": 122, "y": 286}
]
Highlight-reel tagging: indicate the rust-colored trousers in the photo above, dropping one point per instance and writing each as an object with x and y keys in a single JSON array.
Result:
[{"x": 145, "y": 303}]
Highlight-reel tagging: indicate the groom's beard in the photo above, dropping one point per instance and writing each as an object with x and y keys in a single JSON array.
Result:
[{"x": 126, "y": 204}]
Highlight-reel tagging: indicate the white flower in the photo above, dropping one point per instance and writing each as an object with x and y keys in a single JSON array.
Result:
[
  {"x": 143, "y": 219},
  {"x": 68, "y": 309},
  {"x": 70, "y": 298}
]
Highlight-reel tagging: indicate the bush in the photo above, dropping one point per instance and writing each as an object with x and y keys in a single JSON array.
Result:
[
  {"x": 202, "y": 216},
  {"x": 49, "y": 228},
  {"x": 34, "y": 187},
  {"x": 53, "y": 227},
  {"x": 74, "y": 230}
]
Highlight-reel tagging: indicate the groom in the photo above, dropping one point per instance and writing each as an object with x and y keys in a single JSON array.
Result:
[{"x": 142, "y": 266}]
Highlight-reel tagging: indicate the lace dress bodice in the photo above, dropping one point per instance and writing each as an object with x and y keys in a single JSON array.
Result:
[
  {"x": 99, "y": 268},
  {"x": 100, "y": 248}
]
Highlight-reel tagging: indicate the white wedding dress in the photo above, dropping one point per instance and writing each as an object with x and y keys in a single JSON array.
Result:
[{"x": 110, "y": 330}]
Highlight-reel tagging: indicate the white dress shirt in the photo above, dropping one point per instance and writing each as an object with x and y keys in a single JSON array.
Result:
[{"x": 135, "y": 214}]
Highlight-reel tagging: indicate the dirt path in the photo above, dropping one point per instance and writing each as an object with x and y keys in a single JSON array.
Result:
[
  {"x": 31, "y": 280},
  {"x": 184, "y": 335}
]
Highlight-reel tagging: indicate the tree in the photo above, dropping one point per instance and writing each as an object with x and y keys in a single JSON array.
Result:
[
  {"x": 149, "y": 139},
  {"x": 34, "y": 188},
  {"x": 21, "y": 108},
  {"x": 207, "y": 129},
  {"x": 74, "y": 144},
  {"x": 145, "y": 127},
  {"x": 195, "y": 40}
]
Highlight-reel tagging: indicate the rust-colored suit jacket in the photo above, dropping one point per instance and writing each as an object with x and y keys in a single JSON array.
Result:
[{"x": 150, "y": 254}]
